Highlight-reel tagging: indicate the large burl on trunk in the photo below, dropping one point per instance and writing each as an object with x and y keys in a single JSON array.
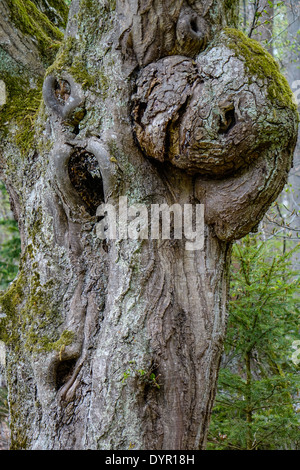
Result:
[{"x": 115, "y": 344}]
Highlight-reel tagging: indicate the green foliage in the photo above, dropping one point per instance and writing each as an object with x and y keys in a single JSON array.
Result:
[
  {"x": 10, "y": 252},
  {"x": 9, "y": 258},
  {"x": 145, "y": 377},
  {"x": 257, "y": 403},
  {"x": 60, "y": 345},
  {"x": 24, "y": 93},
  {"x": 259, "y": 384},
  {"x": 10, "y": 245},
  {"x": 272, "y": 16}
]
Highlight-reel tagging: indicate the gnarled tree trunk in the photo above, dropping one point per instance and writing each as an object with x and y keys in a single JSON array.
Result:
[{"x": 115, "y": 344}]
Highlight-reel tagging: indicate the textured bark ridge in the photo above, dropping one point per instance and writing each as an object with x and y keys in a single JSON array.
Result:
[{"x": 116, "y": 344}]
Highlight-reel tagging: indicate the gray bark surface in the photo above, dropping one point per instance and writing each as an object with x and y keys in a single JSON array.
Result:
[{"x": 172, "y": 112}]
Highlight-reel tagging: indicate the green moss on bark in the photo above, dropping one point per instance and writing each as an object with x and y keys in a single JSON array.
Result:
[
  {"x": 32, "y": 316},
  {"x": 19, "y": 439},
  {"x": 32, "y": 22},
  {"x": 10, "y": 303},
  {"x": 20, "y": 110},
  {"x": 67, "y": 61},
  {"x": 56, "y": 10},
  {"x": 64, "y": 340},
  {"x": 260, "y": 65}
]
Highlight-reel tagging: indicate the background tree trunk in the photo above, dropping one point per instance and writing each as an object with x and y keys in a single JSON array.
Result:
[
  {"x": 116, "y": 344},
  {"x": 265, "y": 23},
  {"x": 293, "y": 75}
]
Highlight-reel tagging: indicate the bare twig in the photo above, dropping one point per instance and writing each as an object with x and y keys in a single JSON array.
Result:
[
  {"x": 256, "y": 7},
  {"x": 285, "y": 29}
]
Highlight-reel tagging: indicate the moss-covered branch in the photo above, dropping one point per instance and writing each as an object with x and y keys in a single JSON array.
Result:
[
  {"x": 31, "y": 22},
  {"x": 33, "y": 39},
  {"x": 56, "y": 10}
]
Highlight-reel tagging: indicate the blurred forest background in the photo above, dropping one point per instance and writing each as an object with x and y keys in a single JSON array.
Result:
[{"x": 258, "y": 400}]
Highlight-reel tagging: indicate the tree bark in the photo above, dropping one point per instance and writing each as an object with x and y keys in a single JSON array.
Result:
[{"x": 115, "y": 344}]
